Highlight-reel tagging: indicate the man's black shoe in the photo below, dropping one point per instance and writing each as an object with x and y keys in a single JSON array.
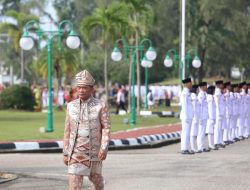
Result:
[
  {"x": 184, "y": 152},
  {"x": 222, "y": 146},
  {"x": 206, "y": 150}
]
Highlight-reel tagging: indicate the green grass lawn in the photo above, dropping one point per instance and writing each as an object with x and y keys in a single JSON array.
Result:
[{"x": 21, "y": 125}]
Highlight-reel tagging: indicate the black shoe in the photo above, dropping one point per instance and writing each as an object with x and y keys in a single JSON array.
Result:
[
  {"x": 184, "y": 152},
  {"x": 199, "y": 151},
  {"x": 222, "y": 146},
  {"x": 191, "y": 152},
  {"x": 217, "y": 146},
  {"x": 242, "y": 138},
  {"x": 236, "y": 139},
  {"x": 214, "y": 148},
  {"x": 206, "y": 150},
  {"x": 226, "y": 143}
]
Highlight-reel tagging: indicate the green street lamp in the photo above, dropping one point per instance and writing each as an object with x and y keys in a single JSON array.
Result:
[
  {"x": 146, "y": 64},
  {"x": 168, "y": 61},
  {"x": 26, "y": 42},
  {"x": 196, "y": 63},
  {"x": 116, "y": 55}
]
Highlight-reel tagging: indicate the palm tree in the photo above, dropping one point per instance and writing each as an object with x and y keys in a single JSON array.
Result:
[
  {"x": 110, "y": 21},
  {"x": 15, "y": 31},
  {"x": 140, "y": 16},
  {"x": 65, "y": 63}
]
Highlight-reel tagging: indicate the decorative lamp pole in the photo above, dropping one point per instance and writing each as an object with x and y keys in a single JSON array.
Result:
[
  {"x": 168, "y": 61},
  {"x": 146, "y": 64},
  {"x": 116, "y": 55},
  {"x": 196, "y": 63},
  {"x": 26, "y": 42}
]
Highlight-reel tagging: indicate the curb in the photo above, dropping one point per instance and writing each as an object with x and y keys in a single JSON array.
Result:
[{"x": 145, "y": 141}]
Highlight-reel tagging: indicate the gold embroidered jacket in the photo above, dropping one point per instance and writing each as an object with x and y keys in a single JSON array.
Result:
[{"x": 96, "y": 120}]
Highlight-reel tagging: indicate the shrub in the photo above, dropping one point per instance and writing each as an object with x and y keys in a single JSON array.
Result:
[{"x": 17, "y": 97}]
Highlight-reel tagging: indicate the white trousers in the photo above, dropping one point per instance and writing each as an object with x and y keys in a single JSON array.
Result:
[
  {"x": 226, "y": 129},
  {"x": 201, "y": 134},
  {"x": 218, "y": 130},
  {"x": 246, "y": 131},
  {"x": 210, "y": 140},
  {"x": 193, "y": 143},
  {"x": 241, "y": 125},
  {"x": 233, "y": 127},
  {"x": 185, "y": 134}
]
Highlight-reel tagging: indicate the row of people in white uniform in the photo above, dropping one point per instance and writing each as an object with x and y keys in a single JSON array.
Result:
[{"x": 221, "y": 111}]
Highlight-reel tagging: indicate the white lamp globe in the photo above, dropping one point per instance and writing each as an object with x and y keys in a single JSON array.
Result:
[
  {"x": 150, "y": 64},
  {"x": 116, "y": 54},
  {"x": 26, "y": 43},
  {"x": 145, "y": 62},
  {"x": 73, "y": 41},
  {"x": 151, "y": 54},
  {"x": 168, "y": 62},
  {"x": 196, "y": 62}
]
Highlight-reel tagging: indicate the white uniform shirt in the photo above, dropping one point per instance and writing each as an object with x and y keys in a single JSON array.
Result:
[
  {"x": 219, "y": 103},
  {"x": 150, "y": 100},
  {"x": 248, "y": 103},
  {"x": 211, "y": 107},
  {"x": 120, "y": 96},
  {"x": 228, "y": 101},
  {"x": 187, "y": 111},
  {"x": 202, "y": 99},
  {"x": 45, "y": 98},
  {"x": 196, "y": 106},
  {"x": 243, "y": 102},
  {"x": 61, "y": 97},
  {"x": 239, "y": 104},
  {"x": 234, "y": 103}
]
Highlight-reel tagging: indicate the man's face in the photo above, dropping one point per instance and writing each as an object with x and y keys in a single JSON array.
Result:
[
  {"x": 221, "y": 86},
  {"x": 244, "y": 87},
  {"x": 84, "y": 92},
  {"x": 204, "y": 88},
  {"x": 229, "y": 88},
  {"x": 189, "y": 85},
  {"x": 237, "y": 89},
  {"x": 224, "y": 90}
]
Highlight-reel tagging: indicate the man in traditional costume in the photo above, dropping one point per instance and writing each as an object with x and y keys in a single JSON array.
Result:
[{"x": 86, "y": 135}]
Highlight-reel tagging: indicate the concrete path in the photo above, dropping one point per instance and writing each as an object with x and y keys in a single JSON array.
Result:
[{"x": 145, "y": 169}]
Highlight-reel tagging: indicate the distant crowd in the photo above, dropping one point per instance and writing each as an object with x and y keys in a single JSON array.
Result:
[{"x": 118, "y": 95}]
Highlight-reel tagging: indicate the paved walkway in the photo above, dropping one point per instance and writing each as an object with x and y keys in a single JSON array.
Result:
[{"x": 142, "y": 169}]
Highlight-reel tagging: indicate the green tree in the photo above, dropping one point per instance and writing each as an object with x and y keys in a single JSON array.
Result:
[
  {"x": 217, "y": 30},
  {"x": 140, "y": 17},
  {"x": 165, "y": 35},
  {"x": 108, "y": 22},
  {"x": 65, "y": 64},
  {"x": 14, "y": 31}
]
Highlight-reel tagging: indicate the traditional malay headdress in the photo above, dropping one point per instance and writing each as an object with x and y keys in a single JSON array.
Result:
[{"x": 84, "y": 78}]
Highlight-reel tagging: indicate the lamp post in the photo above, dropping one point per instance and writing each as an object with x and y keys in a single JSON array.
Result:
[
  {"x": 116, "y": 55},
  {"x": 26, "y": 42},
  {"x": 146, "y": 64},
  {"x": 168, "y": 61}
]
